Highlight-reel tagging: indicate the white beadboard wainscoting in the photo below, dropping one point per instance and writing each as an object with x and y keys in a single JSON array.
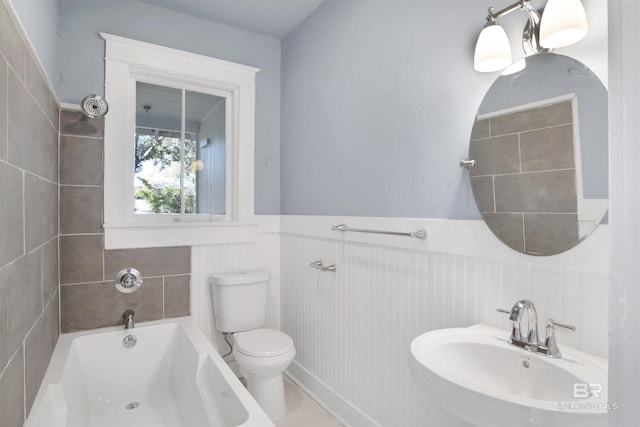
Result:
[
  {"x": 352, "y": 328},
  {"x": 207, "y": 260}
]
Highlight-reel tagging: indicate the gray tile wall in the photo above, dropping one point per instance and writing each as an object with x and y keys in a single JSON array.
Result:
[
  {"x": 88, "y": 297},
  {"x": 524, "y": 181},
  {"x": 29, "y": 313}
]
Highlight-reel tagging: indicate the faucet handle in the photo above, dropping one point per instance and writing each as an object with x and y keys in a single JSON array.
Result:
[
  {"x": 550, "y": 342},
  {"x": 561, "y": 325},
  {"x": 502, "y": 310}
]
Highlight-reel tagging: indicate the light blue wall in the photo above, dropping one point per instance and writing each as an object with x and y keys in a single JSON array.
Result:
[
  {"x": 378, "y": 100},
  {"x": 82, "y": 65},
  {"x": 40, "y": 20}
]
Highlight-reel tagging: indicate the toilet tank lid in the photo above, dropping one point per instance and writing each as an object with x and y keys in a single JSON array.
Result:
[{"x": 241, "y": 278}]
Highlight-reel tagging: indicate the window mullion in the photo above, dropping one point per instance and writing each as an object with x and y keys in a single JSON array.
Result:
[{"x": 182, "y": 163}]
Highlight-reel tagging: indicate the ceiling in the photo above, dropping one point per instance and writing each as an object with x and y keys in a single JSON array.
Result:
[{"x": 273, "y": 18}]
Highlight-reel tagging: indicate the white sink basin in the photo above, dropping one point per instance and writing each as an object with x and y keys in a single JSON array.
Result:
[{"x": 478, "y": 376}]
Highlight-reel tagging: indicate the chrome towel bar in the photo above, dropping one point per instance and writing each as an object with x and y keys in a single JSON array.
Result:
[{"x": 420, "y": 234}]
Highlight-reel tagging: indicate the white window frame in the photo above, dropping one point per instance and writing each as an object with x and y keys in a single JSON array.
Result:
[
  {"x": 128, "y": 61},
  {"x": 230, "y": 149}
]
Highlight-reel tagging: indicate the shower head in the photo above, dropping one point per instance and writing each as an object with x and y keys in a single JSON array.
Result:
[{"x": 94, "y": 106}]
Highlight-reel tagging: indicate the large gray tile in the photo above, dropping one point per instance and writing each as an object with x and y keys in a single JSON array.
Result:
[
  {"x": 12, "y": 391},
  {"x": 49, "y": 270},
  {"x": 41, "y": 211},
  {"x": 80, "y": 210},
  {"x": 536, "y": 118},
  {"x": 37, "y": 85},
  {"x": 496, "y": 155},
  {"x": 547, "y": 149},
  {"x": 482, "y": 187},
  {"x": 12, "y": 44},
  {"x": 550, "y": 234},
  {"x": 95, "y": 305},
  {"x": 33, "y": 141},
  {"x": 81, "y": 258},
  {"x": 53, "y": 112},
  {"x": 11, "y": 214},
  {"x": 38, "y": 348},
  {"x": 150, "y": 262},
  {"x": 537, "y": 192},
  {"x": 4, "y": 330},
  {"x": 508, "y": 228},
  {"x": 177, "y": 296},
  {"x": 80, "y": 161},
  {"x": 76, "y": 123},
  {"x": 480, "y": 129},
  {"x": 24, "y": 298},
  {"x": 3, "y": 109}
]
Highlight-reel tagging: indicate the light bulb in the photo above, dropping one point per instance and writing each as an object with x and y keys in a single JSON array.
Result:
[
  {"x": 493, "y": 50},
  {"x": 563, "y": 23}
]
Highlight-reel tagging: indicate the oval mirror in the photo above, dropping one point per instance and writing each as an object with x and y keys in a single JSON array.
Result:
[{"x": 540, "y": 142}]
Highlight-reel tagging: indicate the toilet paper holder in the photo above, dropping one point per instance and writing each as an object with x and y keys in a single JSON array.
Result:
[{"x": 320, "y": 266}]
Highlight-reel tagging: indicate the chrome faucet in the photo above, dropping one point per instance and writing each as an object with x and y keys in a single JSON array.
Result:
[
  {"x": 529, "y": 340},
  {"x": 517, "y": 311},
  {"x": 128, "y": 318}
]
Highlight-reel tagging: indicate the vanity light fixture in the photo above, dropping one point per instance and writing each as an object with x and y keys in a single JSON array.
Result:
[{"x": 563, "y": 22}]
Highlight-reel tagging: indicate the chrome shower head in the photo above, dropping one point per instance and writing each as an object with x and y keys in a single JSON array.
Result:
[{"x": 94, "y": 106}]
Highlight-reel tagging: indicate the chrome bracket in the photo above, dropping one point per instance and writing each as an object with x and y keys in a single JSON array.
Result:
[
  {"x": 467, "y": 163},
  {"x": 320, "y": 266}
]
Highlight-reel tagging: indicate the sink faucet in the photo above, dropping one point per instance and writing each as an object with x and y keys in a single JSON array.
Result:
[
  {"x": 529, "y": 340},
  {"x": 128, "y": 318},
  {"x": 517, "y": 311}
]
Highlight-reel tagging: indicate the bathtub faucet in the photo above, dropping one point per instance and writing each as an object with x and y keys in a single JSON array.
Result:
[{"x": 128, "y": 318}]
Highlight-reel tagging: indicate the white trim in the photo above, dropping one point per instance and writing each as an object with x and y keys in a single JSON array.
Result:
[
  {"x": 32, "y": 50},
  {"x": 624, "y": 134},
  {"x": 128, "y": 60},
  {"x": 528, "y": 106},
  {"x": 171, "y": 235},
  {"x": 449, "y": 236},
  {"x": 69, "y": 106},
  {"x": 341, "y": 409}
]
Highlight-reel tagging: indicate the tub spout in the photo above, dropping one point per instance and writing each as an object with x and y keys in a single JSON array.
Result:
[{"x": 128, "y": 318}]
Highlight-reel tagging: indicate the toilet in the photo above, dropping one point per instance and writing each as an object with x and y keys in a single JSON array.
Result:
[{"x": 240, "y": 307}]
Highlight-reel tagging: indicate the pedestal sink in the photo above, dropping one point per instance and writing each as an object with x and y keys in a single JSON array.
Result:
[{"x": 478, "y": 376}]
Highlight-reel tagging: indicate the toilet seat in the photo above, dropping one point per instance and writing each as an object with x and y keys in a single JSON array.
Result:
[{"x": 263, "y": 343}]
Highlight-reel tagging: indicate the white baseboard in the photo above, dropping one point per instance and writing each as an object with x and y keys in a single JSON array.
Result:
[{"x": 343, "y": 410}]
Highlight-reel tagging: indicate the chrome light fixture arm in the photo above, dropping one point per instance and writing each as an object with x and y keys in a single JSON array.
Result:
[{"x": 531, "y": 33}]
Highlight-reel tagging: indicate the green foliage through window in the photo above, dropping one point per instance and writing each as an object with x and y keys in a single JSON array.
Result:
[{"x": 158, "y": 170}]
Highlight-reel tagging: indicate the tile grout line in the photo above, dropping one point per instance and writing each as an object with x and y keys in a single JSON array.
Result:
[{"x": 59, "y": 289}]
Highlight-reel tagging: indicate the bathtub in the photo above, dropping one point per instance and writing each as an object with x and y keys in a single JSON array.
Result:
[{"x": 171, "y": 377}]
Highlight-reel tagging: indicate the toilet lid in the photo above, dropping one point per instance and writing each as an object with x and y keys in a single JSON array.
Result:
[{"x": 263, "y": 343}]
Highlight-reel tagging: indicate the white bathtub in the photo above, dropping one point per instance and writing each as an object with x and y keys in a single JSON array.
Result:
[{"x": 173, "y": 377}]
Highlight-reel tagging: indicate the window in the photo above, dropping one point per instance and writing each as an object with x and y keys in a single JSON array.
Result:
[
  {"x": 180, "y": 151},
  {"x": 179, "y": 146}
]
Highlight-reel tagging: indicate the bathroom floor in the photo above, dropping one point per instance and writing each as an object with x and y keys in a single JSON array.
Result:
[{"x": 303, "y": 410}]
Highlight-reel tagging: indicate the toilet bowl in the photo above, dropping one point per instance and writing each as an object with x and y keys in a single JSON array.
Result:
[
  {"x": 263, "y": 354},
  {"x": 239, "y": 305}
]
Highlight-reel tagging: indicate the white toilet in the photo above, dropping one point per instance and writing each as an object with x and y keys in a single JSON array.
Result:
[{"x": 240, "y": 307}]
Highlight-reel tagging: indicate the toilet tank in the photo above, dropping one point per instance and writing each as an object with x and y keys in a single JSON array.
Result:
[{"x": 240, "y": 300}]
